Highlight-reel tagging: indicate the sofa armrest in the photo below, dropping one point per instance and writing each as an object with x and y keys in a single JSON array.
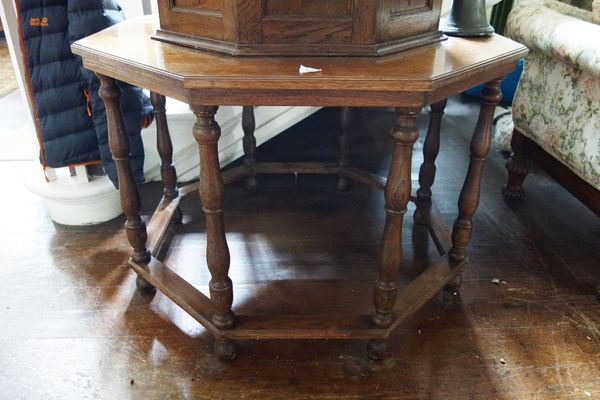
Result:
[{"x": 539, "y": 25}]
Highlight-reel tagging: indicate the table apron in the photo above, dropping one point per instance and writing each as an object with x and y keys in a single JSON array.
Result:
[{"x": 172, "y": 86}]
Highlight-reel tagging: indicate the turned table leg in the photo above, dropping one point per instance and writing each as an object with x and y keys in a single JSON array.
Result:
[
  {"x": 397, "y": 195},
  {"x": 207, "y": 133},
  {"x": 344, "y": 143},
  {"x": 164, "y": 146},
  {"x": 118, "y": 141},
  {"x": 249, "y": 126},
  {"x": 165, "y": 150},
  {"x": 431, "y": 148},
  {"x": 468, "y": 200}
]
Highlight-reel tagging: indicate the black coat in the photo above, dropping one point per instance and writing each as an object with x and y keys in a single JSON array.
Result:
[{"x": 70, "y": 116}]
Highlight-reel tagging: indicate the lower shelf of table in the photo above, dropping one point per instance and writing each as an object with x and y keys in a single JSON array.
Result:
[
  {"x": 350, "y": 323},
  {"x": 337, "y": 325}
]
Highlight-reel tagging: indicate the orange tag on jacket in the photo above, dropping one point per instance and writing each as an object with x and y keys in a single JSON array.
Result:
[{"x": 38, "y": 21}]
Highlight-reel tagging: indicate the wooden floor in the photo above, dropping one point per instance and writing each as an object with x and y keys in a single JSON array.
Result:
[{"x": 73, "y": 327}]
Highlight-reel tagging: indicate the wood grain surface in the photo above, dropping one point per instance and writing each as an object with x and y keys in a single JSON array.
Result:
[{"x": 414, "y": 78}]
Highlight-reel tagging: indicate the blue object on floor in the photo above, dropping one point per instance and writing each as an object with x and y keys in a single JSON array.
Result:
[{"x": 509, "y": 84}]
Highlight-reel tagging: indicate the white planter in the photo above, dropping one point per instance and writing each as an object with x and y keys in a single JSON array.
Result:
[{"x": 69, "y": 201}]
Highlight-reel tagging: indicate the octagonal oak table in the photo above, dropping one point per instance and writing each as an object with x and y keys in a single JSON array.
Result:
[{"x": 407, "y": 81}]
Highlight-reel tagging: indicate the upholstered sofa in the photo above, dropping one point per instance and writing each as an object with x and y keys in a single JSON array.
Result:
[{"x": 556, "y": 110}]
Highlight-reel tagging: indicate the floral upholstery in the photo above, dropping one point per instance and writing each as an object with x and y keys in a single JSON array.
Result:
[
  {"x": 557, "y": 104},
  {"x": 583, "y": 4}
]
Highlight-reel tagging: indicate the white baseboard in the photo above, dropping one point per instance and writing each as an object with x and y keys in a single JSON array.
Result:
[
  {"x": 71, "y": 201},
  {"x": 270, "y": 121}
]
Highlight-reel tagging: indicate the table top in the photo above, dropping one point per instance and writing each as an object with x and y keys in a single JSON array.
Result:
[{"x": 415, "y": 77}]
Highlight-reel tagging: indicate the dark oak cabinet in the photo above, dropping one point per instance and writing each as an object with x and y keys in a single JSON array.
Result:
[{"x": 300, "y": 27}]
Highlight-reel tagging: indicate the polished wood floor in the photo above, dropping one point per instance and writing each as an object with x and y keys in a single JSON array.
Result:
[{"x": 73, "y": 327}]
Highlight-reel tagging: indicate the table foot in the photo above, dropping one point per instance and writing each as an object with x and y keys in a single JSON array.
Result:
[
  {"x": 377, "y": 350},
  {"x": 144, "y": 287},
  {"x": 418, "y": 218},
  {"x": 454, "y": 285},
  {"x": 251, "y": 184},
  {"x": 177, "y": 216},
  {"x": 382, "y": 320},
  {"x": 225, "y": 350},
  {"x": 342, "y": 184}
]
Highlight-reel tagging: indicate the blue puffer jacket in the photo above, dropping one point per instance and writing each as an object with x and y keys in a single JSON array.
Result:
[{"x": 70, "y": 116}]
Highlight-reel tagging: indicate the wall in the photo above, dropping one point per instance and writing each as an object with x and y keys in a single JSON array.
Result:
[
  {"x": 135, "y": 8},
  {"x": 8, "y": 15}
]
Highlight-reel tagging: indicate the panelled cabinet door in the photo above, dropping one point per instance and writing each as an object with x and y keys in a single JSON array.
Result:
[
  {"x": 307, "y": 21},
  {"x": 197, "y": 18},
  {"x": 407, "y": 18}
]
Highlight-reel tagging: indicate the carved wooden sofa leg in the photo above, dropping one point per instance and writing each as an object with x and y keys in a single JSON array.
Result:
[
  {"x": 377, "y": 350},
  {"x": 517, "y": 166}
]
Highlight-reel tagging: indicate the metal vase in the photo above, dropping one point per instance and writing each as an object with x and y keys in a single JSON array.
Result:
[{"x": 468, "y": 18}]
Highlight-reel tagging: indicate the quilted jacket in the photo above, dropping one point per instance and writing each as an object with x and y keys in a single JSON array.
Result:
[{"x": 70, "y": 116}]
